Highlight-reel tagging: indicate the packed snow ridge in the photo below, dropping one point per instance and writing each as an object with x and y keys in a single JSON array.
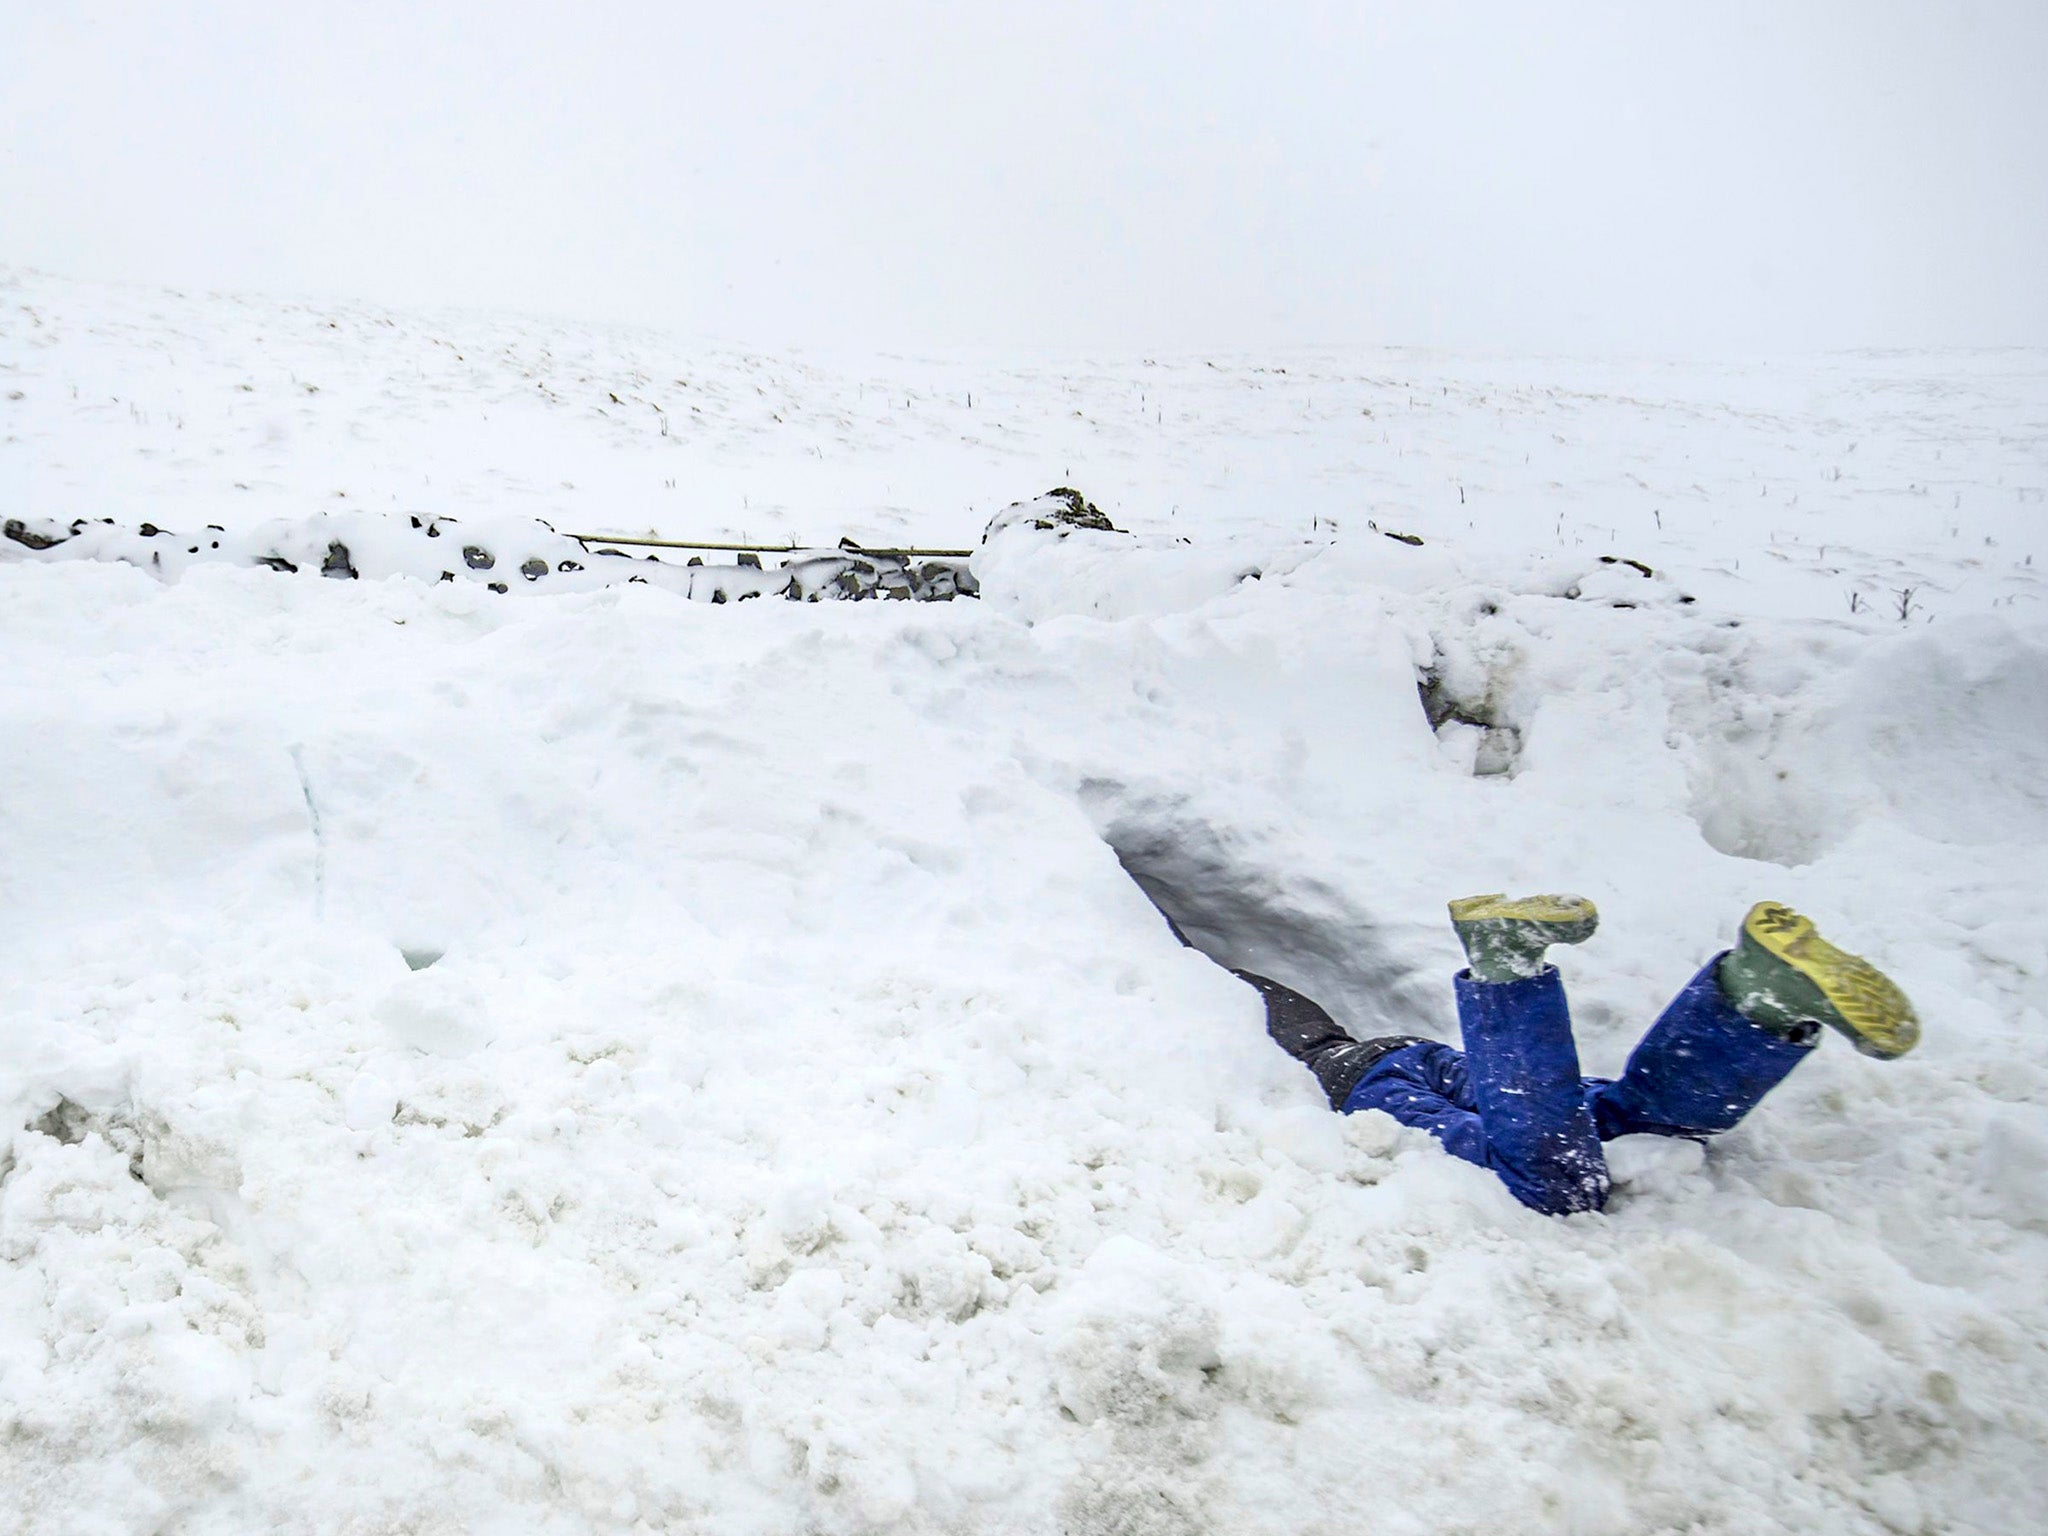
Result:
[{"x": 579, "y": 1060}]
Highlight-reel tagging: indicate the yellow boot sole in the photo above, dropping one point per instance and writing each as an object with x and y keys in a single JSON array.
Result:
[
  {"x": 1558, "y": 911},
  {"x": 1863, "y": 1003},
  {"x": 1504, "y": 940}
]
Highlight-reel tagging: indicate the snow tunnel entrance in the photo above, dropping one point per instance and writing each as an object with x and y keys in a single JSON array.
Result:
[{"x": 1246, "y": 909}]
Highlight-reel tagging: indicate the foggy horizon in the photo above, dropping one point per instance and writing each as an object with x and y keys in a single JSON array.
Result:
[{"x": 1068, "y": 178}]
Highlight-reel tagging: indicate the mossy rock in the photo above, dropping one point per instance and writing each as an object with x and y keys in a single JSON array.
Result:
[
  {"x": 1062, "y": 510},
  {"x": 1077, "y": 511}
]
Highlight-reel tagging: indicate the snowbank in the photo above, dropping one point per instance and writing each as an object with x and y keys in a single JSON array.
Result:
[{"x": 591, "y": 1063}]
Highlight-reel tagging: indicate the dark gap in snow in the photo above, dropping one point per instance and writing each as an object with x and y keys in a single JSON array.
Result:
[
  {"x": 66, "y": 1121},
  {"x": 1498, "y": 750},
  {"x": 1242, "y": 906},
  {"x": 70, "y": 1122}
]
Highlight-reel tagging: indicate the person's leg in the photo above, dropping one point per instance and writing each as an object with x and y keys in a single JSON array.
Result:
[
  {"x": 1524, "y": 1067},
  {"x": 1511, "y": 1101},
  {"x": 1514, "y": 1100},
  {"x": 1699, "y": 1070},
  {"x": 1421, "y": 1083},
  {"x": 1519, "y": 1051},
  {"x": 1425, "y": 1084},
  {"x": 1746, "y": 1020}
]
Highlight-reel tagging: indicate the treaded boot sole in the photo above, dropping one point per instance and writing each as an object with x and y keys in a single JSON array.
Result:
[
  {"x": 1561, "y": 919},
  {"x": 1860, "y": 1001}
]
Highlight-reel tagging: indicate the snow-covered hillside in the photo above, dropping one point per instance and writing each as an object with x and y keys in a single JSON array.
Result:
[{"x": 597, "y": 1062}]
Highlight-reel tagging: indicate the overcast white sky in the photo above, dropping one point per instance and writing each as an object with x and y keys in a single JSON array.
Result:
[{"x": 1683, "y": 177}]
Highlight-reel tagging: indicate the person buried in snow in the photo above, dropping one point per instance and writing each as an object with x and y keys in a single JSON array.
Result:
[{"x": 1514, "y": 1100}]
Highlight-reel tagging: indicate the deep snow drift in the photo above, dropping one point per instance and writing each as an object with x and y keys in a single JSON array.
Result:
[{"x": 600, "y": 1062}]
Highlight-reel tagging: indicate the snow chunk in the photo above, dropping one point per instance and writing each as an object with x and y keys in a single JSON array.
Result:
[{"x": 369, "y": 1102}]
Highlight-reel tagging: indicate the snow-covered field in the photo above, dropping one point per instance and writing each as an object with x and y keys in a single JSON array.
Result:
[{"x": 598, "y": 1062}]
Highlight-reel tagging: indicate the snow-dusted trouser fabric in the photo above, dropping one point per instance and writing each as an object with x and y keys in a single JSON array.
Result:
[
  {"x": 1699, "y": 1070},
  {"x": 1514, "y": 1100},
  {"x": 1523, "y": 1066}
]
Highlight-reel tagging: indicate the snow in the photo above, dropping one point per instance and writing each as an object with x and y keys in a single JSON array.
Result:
[{"x": 586, "y": 1060}]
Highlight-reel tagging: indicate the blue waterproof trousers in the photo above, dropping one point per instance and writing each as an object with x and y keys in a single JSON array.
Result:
[{"x": 1514, "y": 1099}]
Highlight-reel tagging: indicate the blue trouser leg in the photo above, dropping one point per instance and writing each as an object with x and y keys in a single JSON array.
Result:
[
  {"x": 1514, "y": 1101},
  {"x": 1524, "y": 1069},
  {"x": 1699, "y": 1070},
  {"x": 1426, "y": 1085}
]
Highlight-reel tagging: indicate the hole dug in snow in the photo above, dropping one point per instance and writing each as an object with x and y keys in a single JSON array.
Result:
[
  {"x": 1257, "y": 908},
  {"x": 1469, "y": 724},
  {"x": 69, "y": 1122},
  {"x": 1468, "y": 689},
  {"x": 167, "y": 1160}
]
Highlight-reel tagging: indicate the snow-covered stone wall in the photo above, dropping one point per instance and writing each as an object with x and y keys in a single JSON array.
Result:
[{"x": 496, "y": 553}]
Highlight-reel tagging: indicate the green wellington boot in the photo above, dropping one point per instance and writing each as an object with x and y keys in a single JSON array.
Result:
[
  {"x": 1504, "y": 940},
  {"x": 1782, "y": 972}
]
